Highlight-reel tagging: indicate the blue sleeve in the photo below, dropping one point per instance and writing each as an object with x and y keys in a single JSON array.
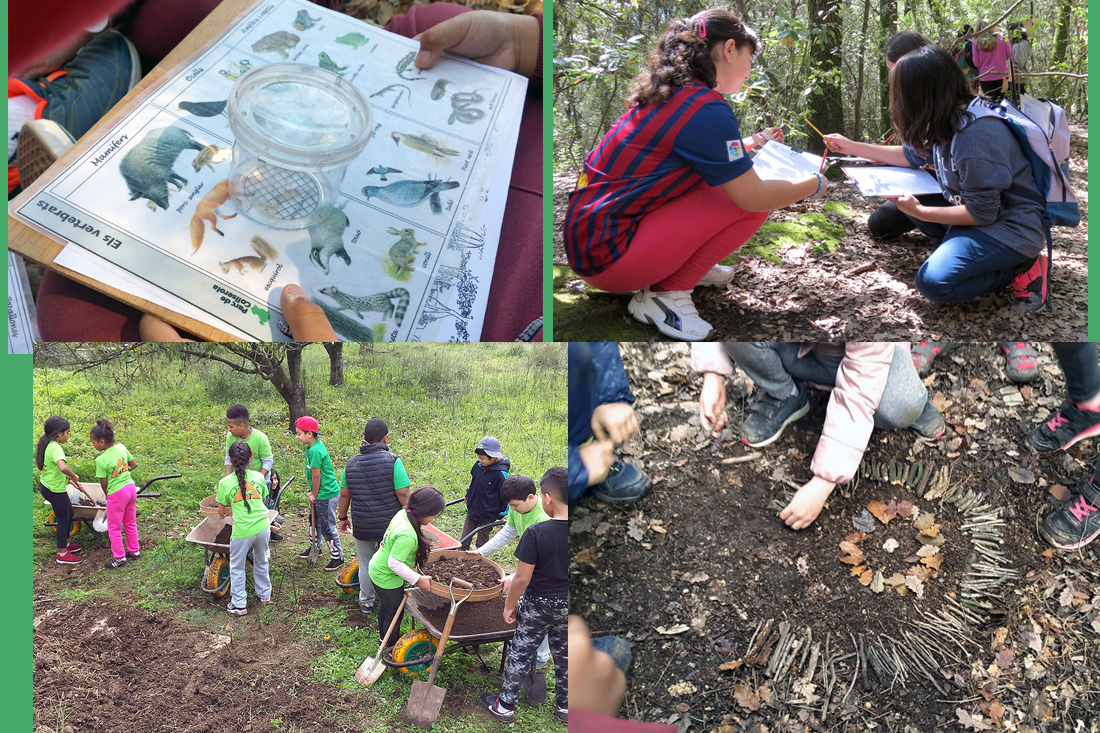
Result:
[
  {"x": 578, "y": 474},
  {"x": 612, "y": 385},
  {"x": 915, "y": 161},
  {"x": 710, "y": 143}
]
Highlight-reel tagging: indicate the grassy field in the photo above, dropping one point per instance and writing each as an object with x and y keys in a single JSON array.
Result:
[{"x": 438, "y": 400}]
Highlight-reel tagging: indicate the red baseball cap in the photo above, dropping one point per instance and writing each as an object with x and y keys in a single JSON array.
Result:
[{"x": 308, "y": 423}]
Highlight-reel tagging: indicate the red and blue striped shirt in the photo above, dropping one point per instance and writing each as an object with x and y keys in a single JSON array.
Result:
[{"x": 652, "y": 154}]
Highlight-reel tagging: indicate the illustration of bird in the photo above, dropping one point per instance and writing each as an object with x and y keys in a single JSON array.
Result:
[
  {"x": 411, "y": 193},
  {"x": 424, "y": 144},
  {"x": 203, "y": 109},
  {"x": 381, "y": 170}
]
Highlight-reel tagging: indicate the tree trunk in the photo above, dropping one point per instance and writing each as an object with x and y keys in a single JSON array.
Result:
[
  {"x": 857, "y": 127},
  {"x": 1061, "y": 37},
  {"x": 336, "y": 363},
  {"x": 826, "y": 102},
  {"x": 888, "y": 23},
  {"x": 288, "y": 382}
]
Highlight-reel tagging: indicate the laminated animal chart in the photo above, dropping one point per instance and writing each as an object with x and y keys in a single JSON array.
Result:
[{"x": 406, "y": 254}]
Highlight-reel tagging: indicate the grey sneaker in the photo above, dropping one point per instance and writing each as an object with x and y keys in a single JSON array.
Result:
[
  {"x": 625, "y": 484},
  {"x": 930, "y": 426},
  {"x": 1077, "y": 523},
  {"x": 769, "y": 416}
]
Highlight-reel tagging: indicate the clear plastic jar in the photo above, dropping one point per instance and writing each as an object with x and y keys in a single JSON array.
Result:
[{"x": 295, "y": 128}]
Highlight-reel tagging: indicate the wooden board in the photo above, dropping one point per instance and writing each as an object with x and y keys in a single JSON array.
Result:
[{"x": 36, "y": 246}]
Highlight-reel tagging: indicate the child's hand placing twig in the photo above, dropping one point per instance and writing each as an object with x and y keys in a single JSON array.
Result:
[
  {"x": 807, "y": 503},
  {"x": 614, "y": 421},
  {"x": 712, "y": 403},
  {"x": 597, "y": 457}
]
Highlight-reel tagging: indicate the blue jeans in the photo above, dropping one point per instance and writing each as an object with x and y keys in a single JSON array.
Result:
[
  {"x": 967, "y": 264},
  {"x": 326, "y": 526}
]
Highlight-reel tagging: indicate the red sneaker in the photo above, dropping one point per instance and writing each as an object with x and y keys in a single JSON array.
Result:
[
  {"x": 1031, "y": 286},
  {"x": 69, "y": 559},
  {"x": 73, "y": 547}
]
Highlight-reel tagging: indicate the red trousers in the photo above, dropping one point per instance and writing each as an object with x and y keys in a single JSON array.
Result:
[{"x": 676, "y": 244}]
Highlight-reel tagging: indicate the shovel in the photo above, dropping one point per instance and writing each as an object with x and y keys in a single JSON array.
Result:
[
  {"x": 426, "y": 699},
  {"x": 371, "y": 669},
  {"x": 314, "y": 550}
]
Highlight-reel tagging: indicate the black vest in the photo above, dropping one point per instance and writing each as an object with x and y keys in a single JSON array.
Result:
[{"x": 370, "y": 483}]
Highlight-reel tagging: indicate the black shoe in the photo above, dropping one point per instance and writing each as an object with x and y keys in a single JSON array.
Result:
[
  {"x": 1077, "y": 523},
  {"x": 133, "y": 555},
  {"x": 304, "y": 554},
  {"x": 615, "y": 647},
  {"x": 366, "y": 608},
  {"x": 334, "y": 564},
  {"x": 625, "y": 484},
  {"x": 562, "y": 714},
  {"x": 276, "y": 537},
  {"x": 768, "y": 416},
  {"x": 1068, "y": 426},
  {"x": 114, "y": 564},
  {"x": 489, "y": 701}
]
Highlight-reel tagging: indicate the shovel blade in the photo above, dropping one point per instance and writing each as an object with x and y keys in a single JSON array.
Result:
[
  {"x": 369, "y": 671},
  {"x": 425, "y": 702}
]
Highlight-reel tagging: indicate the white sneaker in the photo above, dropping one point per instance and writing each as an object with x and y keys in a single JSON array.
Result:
[
  {"x": 41, "y": 143},
  {"x": 718, "y": 275},
  {"x": 672, "y": 313}
]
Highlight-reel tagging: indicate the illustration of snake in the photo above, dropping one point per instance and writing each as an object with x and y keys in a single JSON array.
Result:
[
  {"x": 440, "y": 89},
  {"x": 408, "y": 97},
  {"x": 464, "y": 111},
  {"x": 404, "y": 64}
]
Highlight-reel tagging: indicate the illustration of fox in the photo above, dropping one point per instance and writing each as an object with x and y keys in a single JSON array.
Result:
[
  {"x": 208, "y": 156},
  {"x": 264, "y": 251},
  {"x": 208, "y": 209}
]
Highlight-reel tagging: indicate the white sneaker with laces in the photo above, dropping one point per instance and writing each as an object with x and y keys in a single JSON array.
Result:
[
  {"x": 672, "y": 313},
  {"x": 718, "y": 275}
]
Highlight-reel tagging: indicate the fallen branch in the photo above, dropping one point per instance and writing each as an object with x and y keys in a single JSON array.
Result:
[
  {"x": 866, "y": 267},
  {"x": 747, "y": 458}
]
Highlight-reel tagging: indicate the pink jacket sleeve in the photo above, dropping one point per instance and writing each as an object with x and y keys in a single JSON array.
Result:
[
  {"x": 710, "y": 357},
  {"x": 849, "y": 419}
]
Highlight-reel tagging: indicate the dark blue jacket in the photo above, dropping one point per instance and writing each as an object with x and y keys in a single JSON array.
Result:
[
  {"x": 596, "y": 377},
  {"x": 483, "y": 502},
  {"x": 373, "y": 499}
]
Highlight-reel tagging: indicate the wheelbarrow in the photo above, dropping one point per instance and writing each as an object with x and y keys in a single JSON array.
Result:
[
  {"x": 83, "y": 514},
  {"x": 215, "y": 580}
]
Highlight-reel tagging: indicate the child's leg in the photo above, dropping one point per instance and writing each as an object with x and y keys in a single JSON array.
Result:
[
  {"x": 905, "y": 397},
  {"x": 964, "y": 267},
  {"x": 62, "y": 514},
  {"x": 469, "y": 526},
  {"x": 1081, "y": 370},
  {"x": 676, "y": 244},
  {"x": 483, "y": 536},
  {"x": 238, "y": 554},
  {"x": 386, "y": 601},
  {"x": 542, "y": 654},
  {"x": 326, "y": 525},
  {"x": 116, "y": 508},
  {"x": 364, "y": 551},
  {"x": 558, "y": 633},
  {"x": 887, "y": 221},
  {"x": 534, "y": 616},
  {"x": 129, "y": 518},
  {"x": 766, "y": 363},
  {"x": 261, "y": 574}
]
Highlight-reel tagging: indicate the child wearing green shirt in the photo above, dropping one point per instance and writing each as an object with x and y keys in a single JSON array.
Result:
[
  {"x": 242, "y": 493},
  {"x": 402, "y": 552},
  {"x": 53, "y": 485},
  {"x": 526, "y": 505},
  {"x": 112, "y": 468},
  {"x": 263, "y": 461},
  {"x": 324, "y": 492}
]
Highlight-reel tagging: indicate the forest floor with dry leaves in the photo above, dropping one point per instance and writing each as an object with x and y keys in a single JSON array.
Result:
[
  {"x": 862, "y": 291},
  {"x": 926, "y": 602}
]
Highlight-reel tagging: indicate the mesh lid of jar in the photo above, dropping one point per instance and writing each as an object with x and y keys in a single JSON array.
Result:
[{"x": 299, "y": 116}]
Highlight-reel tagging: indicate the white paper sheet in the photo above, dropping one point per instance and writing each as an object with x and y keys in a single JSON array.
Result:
[
  {"x": 774, "y": 161},
  {"x": 890, "y": 181},
  {"x": 22, "y": 330},
  {"x": 89, "y": 205}
]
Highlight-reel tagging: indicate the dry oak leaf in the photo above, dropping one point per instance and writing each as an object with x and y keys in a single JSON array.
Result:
[
  {"x": 996, "y": 711},
  {"x": 895, "y": 580},
  {"x": 865, "y": 577},
  {"x": 933, "y": 562},
  {"x": 905, "y": 509},
  {"x": 854, "y": 559},
  {"x": 585, "y": 556},
  {"x": 877, "y": 584},
  {"x": 928, "y": 551},
  {"x": 1004, "y": 658},
  {"x": 883, "y": 512},
  {"x": 924, "y": 521},
  {"x": 931, "y": 532},
  {"x": 919, "y": 571},
  {"x": 856, "y": 537},
  {"x": 732, "y": 664},
  {"x": 850, "y": 548},
  {"x": 746, "y": 697},
  {"x": 859, "y": 570},
  {"x": 967, "y": 721}
]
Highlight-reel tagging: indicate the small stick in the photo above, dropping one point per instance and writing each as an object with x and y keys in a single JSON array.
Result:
[{"x": 747, "y": 458}]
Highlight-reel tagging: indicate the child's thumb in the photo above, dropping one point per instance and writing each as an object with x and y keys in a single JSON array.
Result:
[{"x": 438, "y": 39}]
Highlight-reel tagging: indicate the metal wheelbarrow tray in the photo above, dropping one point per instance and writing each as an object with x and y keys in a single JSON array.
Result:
[{"x": 216, "y": 576}]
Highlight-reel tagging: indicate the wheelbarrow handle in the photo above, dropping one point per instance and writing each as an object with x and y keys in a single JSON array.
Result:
[
  {"x": 455, "y": 501},
  {"x": 158, "y": 478},
  {"x": 475, "y": 530},
  {"x": 149, "y": 496}
]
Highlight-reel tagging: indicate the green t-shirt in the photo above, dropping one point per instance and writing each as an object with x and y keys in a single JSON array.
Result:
[
  {"x": 400, "y": 477},
  {"x": 250, "y": 521},
  {"x": 520, "y": 522},
  {"x": 399, "y": 542},
  {"x": 112, "y": 465},
  {"x": 258, "y": 442},
  {"x": 52, "y": 478},
  {"x": 317, "y": 457}
]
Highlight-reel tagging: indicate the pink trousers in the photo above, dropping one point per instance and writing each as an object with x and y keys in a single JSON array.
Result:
[
  {"x": 676, "y": 244},
  {"x": 122, "y": 514}
]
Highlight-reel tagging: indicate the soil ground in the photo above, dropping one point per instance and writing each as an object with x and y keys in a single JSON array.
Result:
[
  {"x": 690, "y": 573},
  {"x": 863, "y": 291}
]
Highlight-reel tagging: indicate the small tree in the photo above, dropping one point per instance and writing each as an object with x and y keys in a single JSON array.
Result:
[{"x": 336, "y": 363}]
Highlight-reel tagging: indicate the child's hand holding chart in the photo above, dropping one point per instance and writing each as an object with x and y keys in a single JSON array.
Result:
[
  {"x": 890, "y": 181},
  {"x": 775, "y": 161}
]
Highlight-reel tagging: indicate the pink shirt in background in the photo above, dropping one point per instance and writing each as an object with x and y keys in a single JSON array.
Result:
[{"x": 992, "y": 65}]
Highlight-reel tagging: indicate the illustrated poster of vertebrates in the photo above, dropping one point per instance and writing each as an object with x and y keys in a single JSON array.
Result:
[{"x": 409, "y": 249}]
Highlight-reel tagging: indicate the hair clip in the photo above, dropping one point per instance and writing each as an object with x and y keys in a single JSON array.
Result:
[{"x": 702, "y": 29}]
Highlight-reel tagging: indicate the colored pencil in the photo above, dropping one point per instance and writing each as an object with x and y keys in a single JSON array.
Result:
[{"x": 819, "y": 132}]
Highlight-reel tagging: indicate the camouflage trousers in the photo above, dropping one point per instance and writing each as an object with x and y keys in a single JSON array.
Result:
[{"x": 536, "y": 618}]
